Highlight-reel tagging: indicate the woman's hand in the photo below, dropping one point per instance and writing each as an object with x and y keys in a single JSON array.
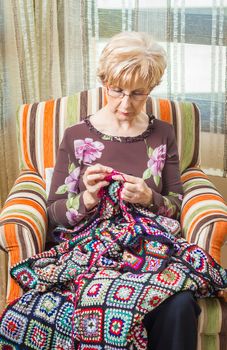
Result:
[
  {"x": 135, "y": 190},
  {"x": 93, "y": 179}
]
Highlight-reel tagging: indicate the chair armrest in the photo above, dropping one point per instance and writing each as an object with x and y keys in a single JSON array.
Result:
[
  {"x": 23, "y": 223},
  {"x": 204, "y": 212},
  {"x": 26, "y": 206}
]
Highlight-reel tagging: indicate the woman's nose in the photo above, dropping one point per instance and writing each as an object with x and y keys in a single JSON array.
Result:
[{"x": 126, "y": 100}]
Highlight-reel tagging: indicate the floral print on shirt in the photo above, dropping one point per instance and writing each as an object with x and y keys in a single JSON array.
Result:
[
  {"x": 171, "y": 205},
  {"x": 155, "y": 163},
  {"x": 86, "y": 151}
]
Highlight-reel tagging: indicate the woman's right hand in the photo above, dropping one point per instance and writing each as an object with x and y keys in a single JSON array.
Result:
[{"x": 94, "y": 180}]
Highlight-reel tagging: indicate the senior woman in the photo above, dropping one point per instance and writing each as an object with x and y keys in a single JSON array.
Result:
[{"x": 120, "y": 278}]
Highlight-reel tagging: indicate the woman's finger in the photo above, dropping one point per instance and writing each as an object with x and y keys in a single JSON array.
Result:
[
  {"x": 98, "y": 186},
  {"x": 95, "y": 177},
  {"x": 131, "y": 187},
  {"x": 98, "y": 168},
  {"x": 125, "y": 177}
]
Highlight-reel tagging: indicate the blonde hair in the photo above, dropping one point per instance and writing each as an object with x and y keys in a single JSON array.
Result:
[{"x": 132, "y": 57}]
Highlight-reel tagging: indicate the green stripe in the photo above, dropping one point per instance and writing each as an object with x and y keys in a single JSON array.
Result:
[
  {"x": 29, "y": 214},
  {"x": 213, "y": 318},
  {"x": 200, "y": 210},
  {"x": 72, "y": 106},
  {"x": 209, "y": 342},
  {"x": 29, "y": 187},
  {"x": 188, "y": 134},
  {"x": 203, "y": 183},
  {"x": 19, "y": 136}
]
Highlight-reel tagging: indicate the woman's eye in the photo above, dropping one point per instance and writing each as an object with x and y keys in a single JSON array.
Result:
[{"x": 117, "y": 90}]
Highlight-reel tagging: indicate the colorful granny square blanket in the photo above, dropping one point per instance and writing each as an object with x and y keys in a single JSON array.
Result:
[{"x": 96, "y": 286}]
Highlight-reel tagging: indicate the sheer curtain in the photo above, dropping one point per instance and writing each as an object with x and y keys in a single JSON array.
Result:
[
  {"x": 50, "y": 48},
  {"x": 42, "y": 57}
]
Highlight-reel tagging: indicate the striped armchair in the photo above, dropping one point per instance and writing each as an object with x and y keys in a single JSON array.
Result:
[{"x": 23, "y": 221}]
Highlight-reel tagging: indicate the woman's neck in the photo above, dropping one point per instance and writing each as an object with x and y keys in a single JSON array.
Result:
[{"x": 108, "y": 124}]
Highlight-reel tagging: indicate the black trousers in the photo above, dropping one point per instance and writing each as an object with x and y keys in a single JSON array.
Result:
[{"x": 173, "y": 324}]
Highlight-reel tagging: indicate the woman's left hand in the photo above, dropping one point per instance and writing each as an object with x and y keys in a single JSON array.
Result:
[{"x": 135, "y": 190}]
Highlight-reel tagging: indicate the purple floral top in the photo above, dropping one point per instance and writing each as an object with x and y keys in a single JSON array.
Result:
[{"x": 152, "y": 156}]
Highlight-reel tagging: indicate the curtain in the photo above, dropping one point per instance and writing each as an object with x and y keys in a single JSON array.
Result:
[
  {"x": 50, "y": 48},
  {"x": 42, "y": 57}
]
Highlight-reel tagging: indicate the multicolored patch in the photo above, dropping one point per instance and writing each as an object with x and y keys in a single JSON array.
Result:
[
  {"x": 38, "y": 336},
  {"x": 116, "y": 326},
  {"x": 95, "y": 292},
  {"x": 26, "y": 302},
  {"x": 123, "y": 294},
  {"x": 47, "y": 307},
  {"x": 151, "y": 297},
  {"x": 90, "y": 324},
  {"x": 25, "y": 276},
  {"x": 13, "y": 326}
]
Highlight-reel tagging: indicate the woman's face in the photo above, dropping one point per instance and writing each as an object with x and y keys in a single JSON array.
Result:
[{"x": 126, "y": 103}]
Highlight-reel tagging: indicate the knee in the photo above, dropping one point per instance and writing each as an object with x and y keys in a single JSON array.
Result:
[{"x": 183, "y": 305}]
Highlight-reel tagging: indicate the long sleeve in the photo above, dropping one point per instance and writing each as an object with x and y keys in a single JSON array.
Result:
[
  {"x": 65, "y": 202},
  {"x": 168, "y": 202}
]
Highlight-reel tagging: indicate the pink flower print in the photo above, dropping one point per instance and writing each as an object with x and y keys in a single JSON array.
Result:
[
  {"x": 157, "y": 160},
  {"x": 88, "y": 150},
  {"x": 72, "y": 180},
  {"x": 72, "y": 216}
]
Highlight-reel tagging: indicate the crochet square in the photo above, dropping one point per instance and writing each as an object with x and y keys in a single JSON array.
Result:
[
  {"x": 90, "y": 324},
  {"x": 38, "y": 336},
  {"x": 196, "y": 258},
  {"x": 171, "y": 277},
  {"x": 47, "y": 307},
  {"x": 25, "y": 276},
  {"x": 13, "y": 326},
  {"x": 151, "y": 297},
  {"x": 26, "y": 302},
  {"x": 95, "y": 292},
  {"x": 116, "y": 326},
  {"x": 61, "y": 341},
  {"x": 64, "y": 319},
  {"x": 124, "y": 294}
]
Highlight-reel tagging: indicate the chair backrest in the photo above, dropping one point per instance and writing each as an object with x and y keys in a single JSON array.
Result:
[{"x": 41, "y": 126}]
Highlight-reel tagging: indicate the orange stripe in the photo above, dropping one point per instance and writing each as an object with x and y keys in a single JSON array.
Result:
[
  {"x": 219, "y": 235},
  {"x": 48, "y": 136},
  {"x": 25, "y": 136},
  {"x": 165, "y": 111},
  {"x": 15, "y": 257},
  {"x": 198, "y": 218},
  {"x": 26, "y": 219},
  {"x": 27, "y": 178},
  {"x": 26, "y": 201},
  {"x": 105, "y": 98},
  {"x": 195, "y": 200},
  {"x": 193, "y": 176}
]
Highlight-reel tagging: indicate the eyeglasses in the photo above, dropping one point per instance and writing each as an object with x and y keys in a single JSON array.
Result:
[{"x": 137, "y": 96}]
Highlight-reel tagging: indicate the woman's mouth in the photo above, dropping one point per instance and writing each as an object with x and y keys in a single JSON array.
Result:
[{"x": 125, "y": 114}]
